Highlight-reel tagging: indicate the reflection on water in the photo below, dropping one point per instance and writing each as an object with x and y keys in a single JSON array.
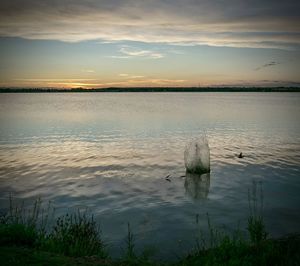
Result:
[
  {"x": 111, "y": 153},
  {"x": 196, "y": 185}
]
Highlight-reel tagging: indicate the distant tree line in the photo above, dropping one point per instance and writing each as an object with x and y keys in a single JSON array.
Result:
[{"x": 153, "y": 89}]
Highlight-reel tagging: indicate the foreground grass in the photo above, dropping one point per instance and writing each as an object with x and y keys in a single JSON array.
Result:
[
  {"x": 285, "y": 251},
  {"x": 14, "y": 255},
  {"x": 75, "y": 239}
]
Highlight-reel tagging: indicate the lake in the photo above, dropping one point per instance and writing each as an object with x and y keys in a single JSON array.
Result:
[{"x": 111, "y": 152}]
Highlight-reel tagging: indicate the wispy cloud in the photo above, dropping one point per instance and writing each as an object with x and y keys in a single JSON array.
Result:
[
  {"x": 127, "y": 80},
  {"x": 128, "y": 76},
  {"x": 234, "y": 23},
  {"x": 272, "y": 63},
  {"x": 137, "y": 77},
  {"x": 118, "y": 56},
  {"x": 57, "y": 83},
  {"x": 127, "y": 52},
  {"x": 142, "y": 81},
  {"x": 52, "y": 80},
  {"x": 136, "y": 52},
  {"x": 88, "y": 71}
]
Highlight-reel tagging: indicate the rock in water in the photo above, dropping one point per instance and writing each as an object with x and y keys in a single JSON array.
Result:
[{"x": 197, "y": 156}]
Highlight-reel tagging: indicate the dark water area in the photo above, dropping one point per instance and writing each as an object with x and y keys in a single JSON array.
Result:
[{"x": 111, "y": 152}]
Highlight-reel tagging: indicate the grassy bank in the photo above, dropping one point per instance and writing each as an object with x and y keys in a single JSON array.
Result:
[
  {"x": 283, "y": 251},
  {"x": 27, "y": 238}
]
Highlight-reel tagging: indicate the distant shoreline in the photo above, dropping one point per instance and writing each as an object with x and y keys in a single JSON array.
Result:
[{"x": 152, "y": 89}]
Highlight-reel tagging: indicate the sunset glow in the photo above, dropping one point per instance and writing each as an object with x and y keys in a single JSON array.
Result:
[{"x": 95, "y": 44}]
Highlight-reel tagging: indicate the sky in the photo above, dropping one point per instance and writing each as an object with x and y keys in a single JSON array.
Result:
[{"x": 132, "y": 43}]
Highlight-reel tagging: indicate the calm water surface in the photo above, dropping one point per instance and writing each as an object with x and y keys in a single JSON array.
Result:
[{"x": 111, "y": 152}]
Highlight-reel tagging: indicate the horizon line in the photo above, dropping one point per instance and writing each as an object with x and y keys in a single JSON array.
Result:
[{"x": 225, "y": 88}]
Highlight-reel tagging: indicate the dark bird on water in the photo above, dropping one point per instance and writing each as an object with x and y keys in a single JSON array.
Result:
[
  {"x": 167, "y": 178},
  {"x": 241, "y": 155}
]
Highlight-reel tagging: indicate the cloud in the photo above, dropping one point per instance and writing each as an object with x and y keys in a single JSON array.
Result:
[
  {"x": 272, "y": 63},
  {"x": 136, "y": 52},
  {"x": 55, "y": 83},
  {"x": 123, "y": 75},
  {"x": 151, "y": 82},
  {"x": 126, "y": 81},
  {"x": 137, "y": 77},
  {"x": 133, "y": 52},
  {"x": 88, "y": 71},
  {"x": 53, "y": 80},
  {"x": 234, "y": 23},
  {"x": 139, "y": 80},
  {"x": 118, "y": 56}
]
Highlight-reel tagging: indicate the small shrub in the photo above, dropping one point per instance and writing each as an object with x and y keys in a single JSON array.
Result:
[
  {"x": 256, "y": 226},
  {"x": 19, "y": 226},
  {"x": 17, "y": 234},
  {"x": 76, "y": 235}
]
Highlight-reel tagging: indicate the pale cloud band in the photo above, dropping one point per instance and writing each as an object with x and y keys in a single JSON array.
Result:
[
  {"x": 264, "y": 23},
  {"x": 127, "y": 52},
  {"x": 125, "y": 81},
  {"x": 136, "y": 52}
]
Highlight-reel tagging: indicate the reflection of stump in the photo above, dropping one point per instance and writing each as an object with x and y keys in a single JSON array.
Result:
[
  {"x": 197, "y": 156},
  {"x": 197, "y": 186}
]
